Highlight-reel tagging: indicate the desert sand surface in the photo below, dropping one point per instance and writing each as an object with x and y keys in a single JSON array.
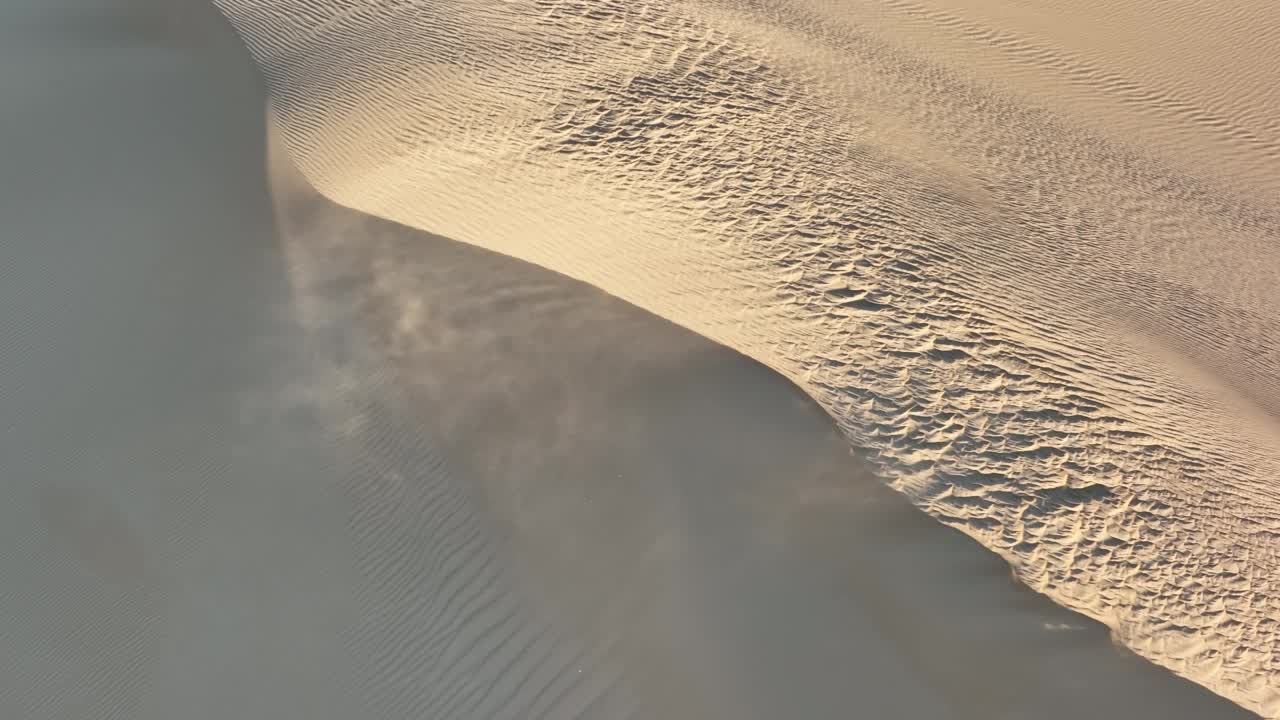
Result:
[
  {"x": 691, "y": 518},
  {"x": 1024, "y": 253},
  {"x": 268, "y": 456}
]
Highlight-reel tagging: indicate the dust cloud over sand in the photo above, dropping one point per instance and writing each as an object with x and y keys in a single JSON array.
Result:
[{"x": 1025, "y": 254}]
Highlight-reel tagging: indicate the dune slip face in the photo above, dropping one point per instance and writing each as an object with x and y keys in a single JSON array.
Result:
[{"x": 1029, "y": 267}]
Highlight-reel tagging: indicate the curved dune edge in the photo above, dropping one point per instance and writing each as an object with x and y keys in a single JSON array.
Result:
[{"x": 1044, "y": 338}]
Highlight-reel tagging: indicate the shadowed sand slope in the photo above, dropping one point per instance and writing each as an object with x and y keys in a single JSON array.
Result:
[
  {"x": 337, "y": 468},
  {"x": 368, "y": 472},
  {"x": 687, "y": 516},
  {"x": 1030, "y": 268}
]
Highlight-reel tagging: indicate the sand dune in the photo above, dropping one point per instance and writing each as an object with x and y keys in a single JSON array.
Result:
[
  {"x": 1028, "y": 264},
  {"x": 301, "y": 461},
  {"x": 686, "y": 520},
  {"x": 320, "y": 465}
]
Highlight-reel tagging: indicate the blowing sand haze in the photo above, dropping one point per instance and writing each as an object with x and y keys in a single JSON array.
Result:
[{"x": 1024, "y": 254}]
